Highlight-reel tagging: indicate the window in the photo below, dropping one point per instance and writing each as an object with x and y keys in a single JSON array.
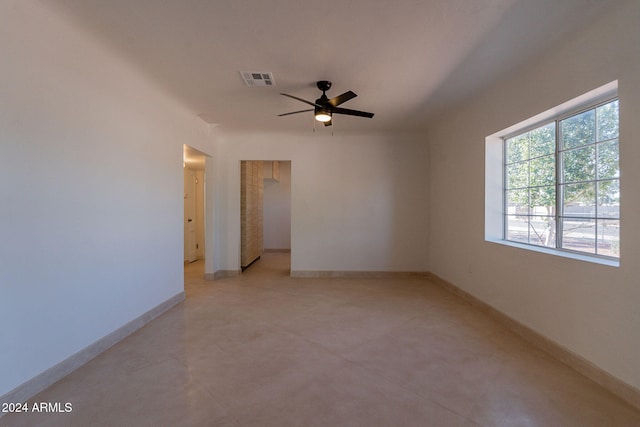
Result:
[{"x": 560, "y": 183}]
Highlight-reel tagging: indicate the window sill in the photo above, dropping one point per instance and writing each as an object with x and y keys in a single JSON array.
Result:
[{"x": 557, "y": 252}]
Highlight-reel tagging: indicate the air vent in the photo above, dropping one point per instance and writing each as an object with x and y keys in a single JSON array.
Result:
[{"x": 257, "y": 78}]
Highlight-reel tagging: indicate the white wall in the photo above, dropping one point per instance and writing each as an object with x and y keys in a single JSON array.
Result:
[
  {"x": 277, "y": 209},
  {"x": 359, "y": 202},
  {"x": 590, "y": 309},
  {"x": 91, "y": 190}
]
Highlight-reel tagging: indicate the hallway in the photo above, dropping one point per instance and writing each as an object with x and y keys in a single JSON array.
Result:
[{"x": 264, "y": 349}]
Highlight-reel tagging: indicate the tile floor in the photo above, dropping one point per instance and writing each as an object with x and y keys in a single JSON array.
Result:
[{"x": 264, "y": 349}]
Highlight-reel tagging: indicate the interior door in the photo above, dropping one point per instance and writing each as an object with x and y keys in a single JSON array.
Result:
[{"x": 190, "y": 241}]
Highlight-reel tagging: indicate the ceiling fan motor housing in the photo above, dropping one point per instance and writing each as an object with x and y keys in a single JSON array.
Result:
[{"x": 323, "y": 107}]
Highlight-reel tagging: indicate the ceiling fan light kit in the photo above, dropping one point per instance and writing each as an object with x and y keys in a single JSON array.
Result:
[
  {"x": 324, "y": 108},
  {"x": 322, "y": 115}
]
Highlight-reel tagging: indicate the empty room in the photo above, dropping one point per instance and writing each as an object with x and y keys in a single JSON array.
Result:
[{"x": 349, "y": 213}]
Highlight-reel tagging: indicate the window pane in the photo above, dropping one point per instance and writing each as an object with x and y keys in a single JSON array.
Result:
[
  {"x": 607, "y": 121},
  {"x": 609, "y": 238},
  {"x": 580, "y": 200},
  {"x": 518, "y": 175},
  {"x": 543, "y": 140},
  {"x": 542, "y": 200},
  {"x": 542, "y": 171},
  {"x": 608, "y": 160},
  {"x": 542, "y": 231},
  {"x": 579, "y": 235},
  {"x": 518, "y": 148},
  {"x": 517, "y": 229},
  {"x": 609, "y": 199},
  {"x": 518, "y": 202},
  {"x": 579, "y": 164},
  {"x": 571, "y": 165},
  {"x": 578, "y": 130}
]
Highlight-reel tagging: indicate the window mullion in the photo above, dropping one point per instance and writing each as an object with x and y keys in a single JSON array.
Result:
[
  {"x": 596, "y": 179},
  {"x": 559, "y": 188},
  {"x": 505, "y": 188}
]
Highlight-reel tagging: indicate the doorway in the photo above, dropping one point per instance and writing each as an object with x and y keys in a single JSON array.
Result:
[
  {"x": 265, "y": 209},
  {"x": 194, "y": 163}
]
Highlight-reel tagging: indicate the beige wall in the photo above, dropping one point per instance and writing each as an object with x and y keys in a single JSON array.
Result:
[
  {"x": 359, "y": 202},
  {"x": 92, "y": 183},
  {"x": 590, "y": 309}
]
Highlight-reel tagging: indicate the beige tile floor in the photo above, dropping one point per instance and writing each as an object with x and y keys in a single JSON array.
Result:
[{"x": 264, "y": 349}]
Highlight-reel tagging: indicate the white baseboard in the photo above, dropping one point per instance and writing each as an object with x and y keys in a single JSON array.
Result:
[
  {"x": 359, "y": 274},
  {"x": 45, "y": 379},
  {"x": 613, "y": 384}
]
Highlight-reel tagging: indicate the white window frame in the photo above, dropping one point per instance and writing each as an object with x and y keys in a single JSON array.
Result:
[{"x": 494, "y": 172}]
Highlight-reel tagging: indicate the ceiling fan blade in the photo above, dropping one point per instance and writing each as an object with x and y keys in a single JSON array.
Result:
[
  {"x": 351, "y": 112},
  {"x": 295, "y": 112},
  {"x": 328, "y": 123},
  {"x": 301, "y": 100},
  {"x": 342, "y": 98}
]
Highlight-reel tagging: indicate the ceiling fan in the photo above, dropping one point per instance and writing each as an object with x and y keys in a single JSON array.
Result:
[{"x": 324, "y": 108}]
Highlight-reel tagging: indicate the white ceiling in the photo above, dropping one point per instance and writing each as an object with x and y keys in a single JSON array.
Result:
[{"x": 406, "y": 59}]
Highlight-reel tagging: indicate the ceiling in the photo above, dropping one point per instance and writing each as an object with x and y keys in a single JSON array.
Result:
[{"x": 407, "y": 60}]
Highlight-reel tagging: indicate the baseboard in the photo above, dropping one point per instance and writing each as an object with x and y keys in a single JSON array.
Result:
[
  {"x": 359, "y": 274},
  {"x": 221, "y": 274},
  {"x": 277, "y": 251},
  {"x": 610, "y": 382},
  {"x": 47, "y": 378}
]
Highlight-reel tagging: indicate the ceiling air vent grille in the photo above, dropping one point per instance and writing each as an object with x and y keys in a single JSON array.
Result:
[{"x": 257, "y": 78}]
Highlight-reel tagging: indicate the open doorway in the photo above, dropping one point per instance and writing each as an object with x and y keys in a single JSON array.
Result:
[
  {"x": 265, "y": 209},
  {"x": 194, "y": 163}
]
